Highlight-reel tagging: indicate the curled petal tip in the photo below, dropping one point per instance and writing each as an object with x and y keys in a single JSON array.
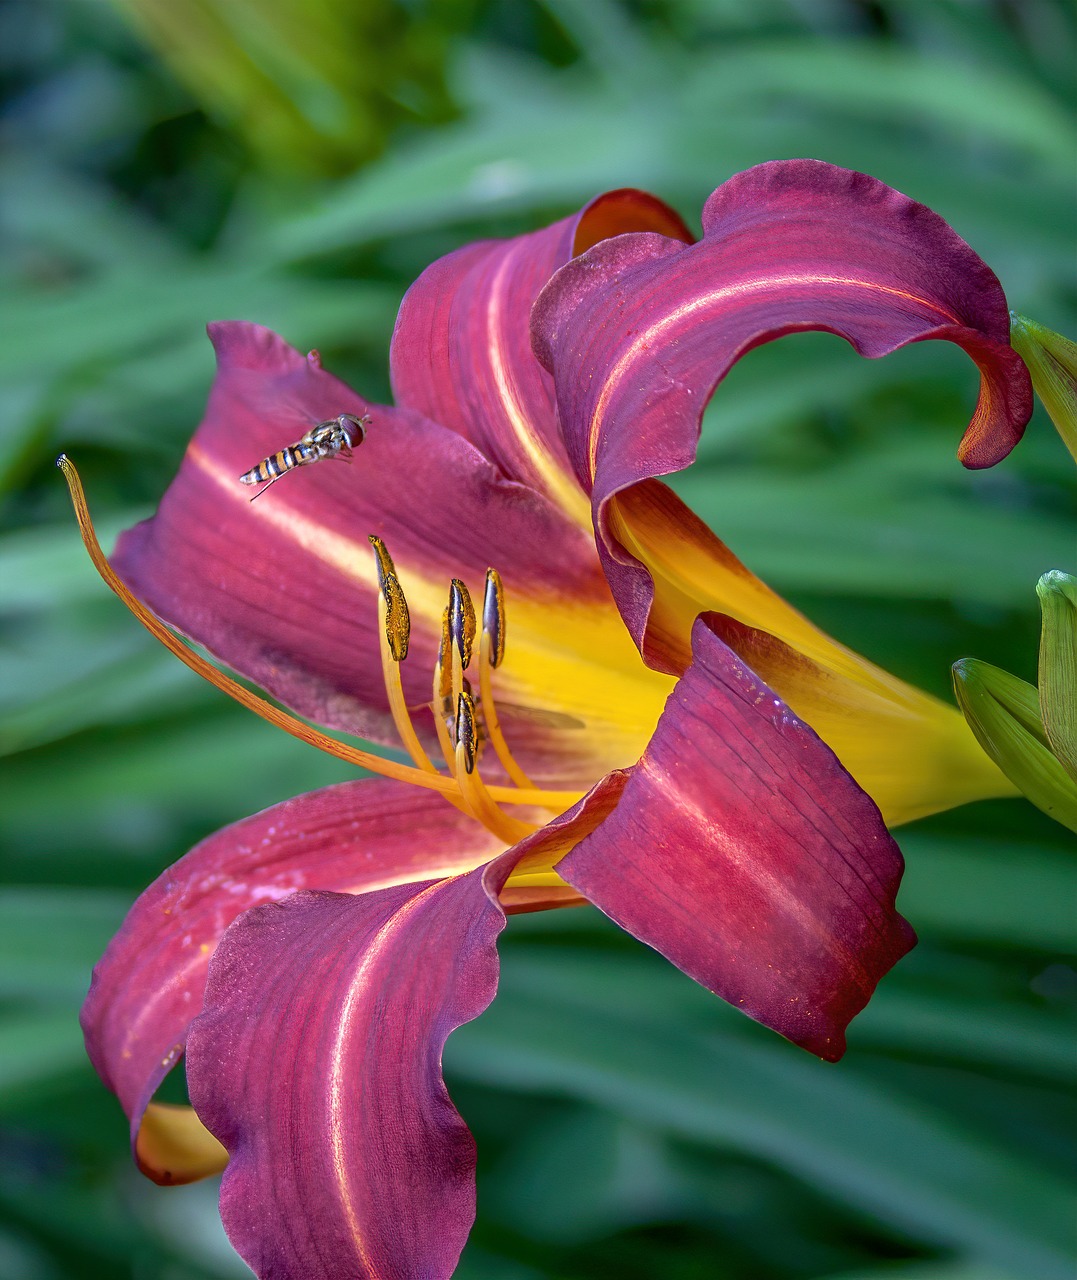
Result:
[
  {"x": 644, "y": 327},
  {"x": 173, "y": 1146}
]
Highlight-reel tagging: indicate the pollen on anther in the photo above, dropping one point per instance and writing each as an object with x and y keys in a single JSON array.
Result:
[
  {"x": 493, "y": 616},
  {"x": 462, "y": 620},
  {"x": 384, "y": 560},
  {"x": 397, "y": 618},
  {"x": 464, "y": 729}
]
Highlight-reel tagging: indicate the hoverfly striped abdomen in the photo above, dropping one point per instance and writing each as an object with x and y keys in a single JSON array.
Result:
[{"x": 334, "y": 438}]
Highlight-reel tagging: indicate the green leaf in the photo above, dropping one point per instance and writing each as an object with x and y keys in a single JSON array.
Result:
[
  {"x": 876, "y": 1150},
  {"x": 44, "y": 565},
  {"x": 1006, "y": 1036},
  {"x": 37, "y": 1047},
  {"x": 1005, "y": 892},
  {"x": 50, "y": 939}
]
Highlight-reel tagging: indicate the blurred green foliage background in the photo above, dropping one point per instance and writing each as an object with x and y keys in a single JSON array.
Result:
[{"x": 165, "y": 164}]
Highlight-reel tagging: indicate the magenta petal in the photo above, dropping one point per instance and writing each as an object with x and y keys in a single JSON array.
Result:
[
  {"x": 744, "y": 852},
  {"x": 639, "y": 331},
  {"x": 317, "y": 1063},
  {"x": 284, "y": 589},
  {"x": 461, "y": 351},
  {"x": 148, "y": 985}
]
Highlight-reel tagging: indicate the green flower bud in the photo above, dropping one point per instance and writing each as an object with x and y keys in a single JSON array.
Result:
[
  {"x": 1058, "y": 665},
  {"x": 1004, "y": 714},
  {"x": 1052, "y": 362}
]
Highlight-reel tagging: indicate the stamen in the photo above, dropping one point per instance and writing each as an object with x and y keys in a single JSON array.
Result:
[
  {"x": 478, "y": 798},
  {"x": 442, "y": 704},
  {"x": 465, "y": 729},
  {"x": 397, "y": 620},
  {"x": 274, "y": 715},
  {"x": 461, "y": 639},
  {"x": 461, "y": 621},
  {"x": 491, "y": 652},
  {"x": 493, "y": 616},
  {"x": 556, "y": 801},
  {"x": 395, "y": 624}
]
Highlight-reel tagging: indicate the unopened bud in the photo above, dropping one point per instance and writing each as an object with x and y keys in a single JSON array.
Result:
[
  {"x": 1004, "y": 714},
  {"x": 1058, "y": 665},
  {"x": 1052, "y": 362}
]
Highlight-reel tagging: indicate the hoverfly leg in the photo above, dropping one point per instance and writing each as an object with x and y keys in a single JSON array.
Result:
[{"x": 269, "y": 483}]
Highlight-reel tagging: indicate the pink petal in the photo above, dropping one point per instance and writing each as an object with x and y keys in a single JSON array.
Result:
[
  {"x": 461, "y": 352},
  {"x": 283, "y": 589},
  {"x": 356, "y": 836},
  {"x": 317, "y": 1062},
  {"x": 745, "y": 853},
  {"x": 639, "y": 331}
]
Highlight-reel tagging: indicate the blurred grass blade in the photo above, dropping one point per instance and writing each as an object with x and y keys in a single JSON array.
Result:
[
  {"x": 880, "y": 1152},
  {"x": 1058, "y": 665},
  {"x": 1013, "y": 1038},
  {"x": 1004, "y": 714},
  {"x": 971, "y": 889},
  {"x": 37, "y": 1046},
  {"x": 311, "y": 89},
  {"x": 1052, "y": 361},
  {"x": 50, "y": 939},
  {"x": 959, "y": 1270}
]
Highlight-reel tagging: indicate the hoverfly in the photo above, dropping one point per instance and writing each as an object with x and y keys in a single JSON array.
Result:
[{"x": 334, "y": 438}]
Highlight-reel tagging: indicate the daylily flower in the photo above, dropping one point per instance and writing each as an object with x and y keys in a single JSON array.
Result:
[{"x": 624, "y": 719}]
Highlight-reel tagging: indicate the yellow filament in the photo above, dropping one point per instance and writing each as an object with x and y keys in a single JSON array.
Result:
[
  {"x": 390, "y": 670},
  {"x": 481, "y": 803},
  {"x": 556, "y": 801},
  {"x": 448, "y": 749},
  {"x": 490, "y": 720},
  {"x": 432, "y": 781}
]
